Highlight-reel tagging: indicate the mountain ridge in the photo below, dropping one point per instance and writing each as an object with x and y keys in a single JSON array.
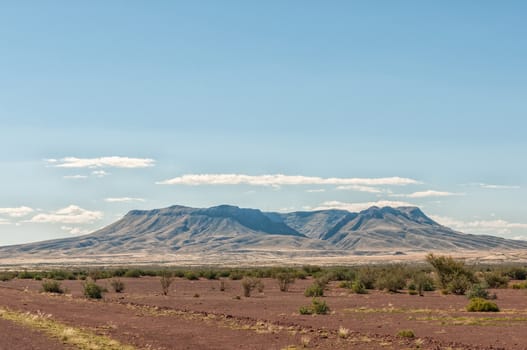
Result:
[{"x": 230, "y": 229}]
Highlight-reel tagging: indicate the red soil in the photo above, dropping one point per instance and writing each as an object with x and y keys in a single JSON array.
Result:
[{"x": 197, "y": 315}]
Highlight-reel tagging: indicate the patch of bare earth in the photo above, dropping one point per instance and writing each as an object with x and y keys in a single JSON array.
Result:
[
  {"x": 16, "y": 337},
  {"x": 197, "y": 314}
]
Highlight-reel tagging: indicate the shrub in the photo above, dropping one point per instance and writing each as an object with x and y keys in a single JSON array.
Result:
[
  {"x": 191, "y": 276},
  {"x": 317, "y": 307},
  {"x": 422, "y": 283},
  {"x": 452, "y": 275},
  {"x": 235, "y": 275},
  {"x": 315, "y": 290},
  {"x": 367, "y": 276},
  {"x": 305, "y": 310},
  {"x": 134, "y": 273},
  {"x": 517, "y": 273},
  {"x": 391, "y": 280},
  {"x": 482, "y": 305},
  {"x": 343, "y": 332},
  {"x": 210, "y": 274},
  {"x": 478, "y": 291},
  {"x": 92, "y": 290},
  {"x": 117, "y": 285},
  {"x": 496, "y": 280},
  {"x": 520, "y": 285},
  {"x": 406, "y": 333},
  {"x": 358, "y": 288},
  {"x": 285, "y": 279},
  {"x": 166, "y": 280},
  {"x": 52, "y": 287},
  {"x": 6, "y": 276},
  {"x": 251, "y": 283}
]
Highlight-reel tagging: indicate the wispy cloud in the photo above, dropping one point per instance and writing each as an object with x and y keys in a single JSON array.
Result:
[
  {"x": 480, "y": 226},
  {"x": 4, "y": 222},
  {"x": 101, "y": 162},
  {"x": 355, "y": 207},
  {"x": 359, "y": 188},
  {"x": 281, "y": 180},
  {"x": 70, "y": 215},
  {"x": 17, "y": 212},
  {"x": 498, "y": 187},
  {"x": 123, "y": 199},
  {"x": 426, "y": 194},
  {"x": 100, "y": 173},
  {"x": 316, "y": 190},
  {"x": 75, "y": 177}
]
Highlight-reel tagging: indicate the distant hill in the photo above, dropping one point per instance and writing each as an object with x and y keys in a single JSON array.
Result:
[{"x": 230, "y": 229}]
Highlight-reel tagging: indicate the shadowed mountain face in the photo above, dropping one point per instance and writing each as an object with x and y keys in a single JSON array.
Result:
[{"x": 231, "y": 229}]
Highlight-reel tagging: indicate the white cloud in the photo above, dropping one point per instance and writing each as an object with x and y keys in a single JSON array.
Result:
[
  {"x": 480, "y": 226},
  {"x": 123, "y": 199},
  {"x": 355, "y": 207},
  {"x": 75, "y": 177},
  {"x": 498, "y": 187},
  {"x": 281, "y": 180},
  {"x": 100, "y": 173},
  {"x": 102, "y": 162},
  {"x": 75, "y": 230},
  {"x": 70, "y": 215},
  {"x": 4, "y": 222},
  {"x": 426, "y": 194},
  {"x": 360, "y": 188},
  {"x": 16, "y": 212},
  {"x": 316, "y": 190}
]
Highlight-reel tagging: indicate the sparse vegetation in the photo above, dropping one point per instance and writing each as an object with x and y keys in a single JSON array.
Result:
[
  {"x": 391, "y": 280},
  {"x": 117, "y": 285},
  {"x": 453, "y": 276},
  {"x": 285, "y": 279},
  {"x": 406, "y": 333},
  {"x": 482, "y": 305},
  {"x": 496, "y": 279},
  {"x": 343, "y": 332},
  {"x": 318, "y": 307},
  {"x": 166, "y": 281},
  {"x": 251, "y": 283},
  {"x": 315, "y": 290},
  {"x": 92, "y": 290},
  {"x": 52, "y": 287}
]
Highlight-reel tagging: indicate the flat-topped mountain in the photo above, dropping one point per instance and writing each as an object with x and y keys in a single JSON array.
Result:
[{"x": 230, "y": 229}]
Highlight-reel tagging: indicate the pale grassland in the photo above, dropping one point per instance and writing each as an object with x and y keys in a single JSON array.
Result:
[{"x": 80, "y": 338}]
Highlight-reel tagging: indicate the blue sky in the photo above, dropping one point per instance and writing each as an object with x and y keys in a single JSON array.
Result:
[{"x": 103, "y": 102}]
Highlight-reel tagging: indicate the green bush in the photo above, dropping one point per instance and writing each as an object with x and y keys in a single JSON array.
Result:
[
  {"x": 358, "y": 288},
  {"x": 251, "y": 283},
  {"x": 317, "y": 307},
  {"x": 6, "y": 276},
  {"x": 482, "y": 305},
  {"x": 191, "y": 276},
  {"x": 367, "y": 276},
  {"x": 517, "y": 273},
  {"x": 453, "y": 276},
  {"x": 285, "y": 279},
  {"x": 304, "y": 310},
  {"x": 117, "y": 285},
  {"x": 315, "y": 290},
  {"x": 133, "y": 273},
  {"x": 406, "y": 333},
  {"x": 478, "y": 291},
  {"x": 92, "y": 290},
  {"x": 320, "y": 307},
  {"x": 52, "y": 287},
  {"x": 496, "y": 280},
  {"x": 391, "y": 280},
  {"x": 520, "y": 285}
]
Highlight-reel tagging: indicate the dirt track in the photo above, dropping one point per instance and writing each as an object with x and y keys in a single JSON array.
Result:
[{"x": 197, "y": 315}]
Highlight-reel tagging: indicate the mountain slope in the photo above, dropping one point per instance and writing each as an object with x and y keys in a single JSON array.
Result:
[{"x": 224, "y": 228}]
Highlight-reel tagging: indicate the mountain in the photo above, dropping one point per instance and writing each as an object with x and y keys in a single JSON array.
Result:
[{"x": 229, "y": 229}]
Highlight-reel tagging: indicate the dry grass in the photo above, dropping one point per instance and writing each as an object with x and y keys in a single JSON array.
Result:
[{"x": 80, "y": 338}]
